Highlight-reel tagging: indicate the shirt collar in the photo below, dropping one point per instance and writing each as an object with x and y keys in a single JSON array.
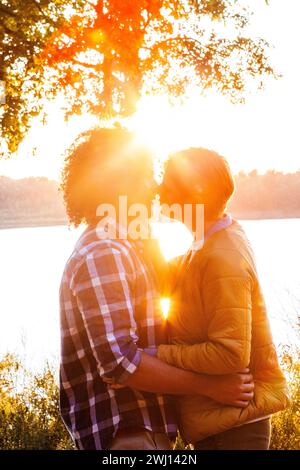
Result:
[
  {"x": 97, "y": 232},
  {"x": 119, "y": 233}
]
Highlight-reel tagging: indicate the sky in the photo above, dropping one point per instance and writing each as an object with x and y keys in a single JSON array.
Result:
[{"x": 262, "y": 134}]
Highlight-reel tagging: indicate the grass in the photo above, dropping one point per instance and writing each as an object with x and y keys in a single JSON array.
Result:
[
  {"x": 29, "y": 409},
  {"x": 286, "y": 425}
]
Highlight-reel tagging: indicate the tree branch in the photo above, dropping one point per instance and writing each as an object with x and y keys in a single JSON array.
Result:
[
  {"x": 7, "y": 11},
  {"x": 96, "y": 67}
]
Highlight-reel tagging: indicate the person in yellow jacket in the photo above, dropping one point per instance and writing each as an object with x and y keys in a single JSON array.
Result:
[{"x": 218, "y": 322}]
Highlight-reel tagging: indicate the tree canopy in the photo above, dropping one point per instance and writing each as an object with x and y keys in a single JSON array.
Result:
[{"x": 103, "y": 55}]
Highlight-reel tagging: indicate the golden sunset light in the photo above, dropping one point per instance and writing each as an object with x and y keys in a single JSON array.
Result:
[
  {"x": 149, "y": 230},
  {"x": 165, "y": 306}
]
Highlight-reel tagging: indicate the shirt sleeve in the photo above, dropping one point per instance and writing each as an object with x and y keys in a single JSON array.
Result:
[
  {"x": 227, "y": 304},
  {"x": 103, "y": 289}
]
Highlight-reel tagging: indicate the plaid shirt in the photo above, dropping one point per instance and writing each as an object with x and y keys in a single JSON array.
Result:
[{"x": 110, "y": 311}]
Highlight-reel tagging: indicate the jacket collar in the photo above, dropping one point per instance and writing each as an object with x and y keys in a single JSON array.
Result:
[
  {"x": 220, "y": 224},
  {"x": 197, "y": 245}
]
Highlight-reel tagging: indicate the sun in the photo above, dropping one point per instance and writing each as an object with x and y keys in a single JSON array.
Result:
[
  {"x": 156, "y": 122},
  {"x": 166, "y": 127},
  {"x": 160, "y": 125}
]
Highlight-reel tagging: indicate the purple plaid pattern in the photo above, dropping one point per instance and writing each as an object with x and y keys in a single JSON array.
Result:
[{"x": 110, "y": 311}]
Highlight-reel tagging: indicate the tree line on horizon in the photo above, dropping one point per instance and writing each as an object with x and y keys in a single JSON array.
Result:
[
  {"x": 272, "y": 194},
  {"x": 38, "y": 201}
]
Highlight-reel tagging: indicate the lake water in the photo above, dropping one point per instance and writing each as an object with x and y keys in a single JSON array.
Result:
[{"x": 32, "y": 262}]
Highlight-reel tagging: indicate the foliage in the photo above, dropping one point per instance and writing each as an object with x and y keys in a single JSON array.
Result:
[
  {"x": 286, "y": 425},
  {"x": 103, "y": 54},
  {"x": 25, "y": 26},
  {"x": 29, "y": 409}
]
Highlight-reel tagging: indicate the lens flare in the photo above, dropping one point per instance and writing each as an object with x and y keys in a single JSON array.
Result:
[{"x": 165, "y": 306}]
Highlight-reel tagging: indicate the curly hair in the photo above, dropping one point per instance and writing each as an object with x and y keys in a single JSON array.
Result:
[{"x": 101, "y": 165}]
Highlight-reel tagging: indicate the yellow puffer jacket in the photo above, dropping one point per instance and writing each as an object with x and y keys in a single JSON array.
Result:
[{"x": 218, "y": 325}]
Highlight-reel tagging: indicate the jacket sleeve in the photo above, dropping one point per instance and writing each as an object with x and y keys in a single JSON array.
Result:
[
  {"x": 103, "y": 289},
  {"x": 226, "y": 292}
]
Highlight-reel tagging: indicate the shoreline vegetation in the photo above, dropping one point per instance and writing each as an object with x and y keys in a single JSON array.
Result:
[
  {"x": 40, "y": 222},
  {"x": 37, "y": 201}
]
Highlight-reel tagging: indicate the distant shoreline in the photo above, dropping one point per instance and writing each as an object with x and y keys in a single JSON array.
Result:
[
  {"x": 37, "y": 202},
  {"x": 32, "y": 223},
  {"x": 10, "y": 224}
]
